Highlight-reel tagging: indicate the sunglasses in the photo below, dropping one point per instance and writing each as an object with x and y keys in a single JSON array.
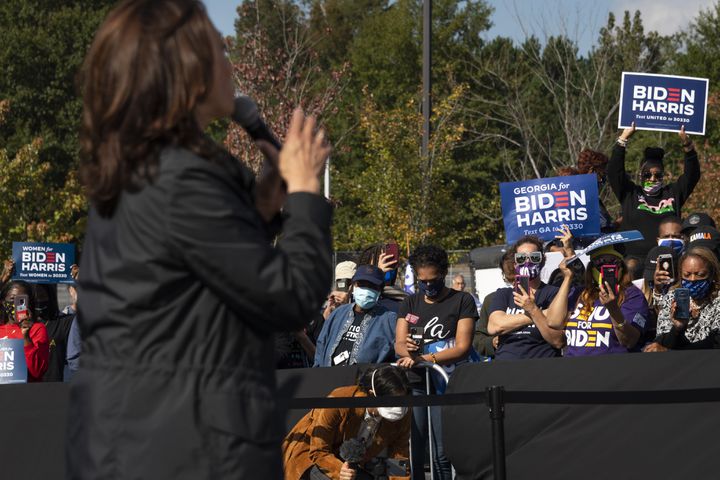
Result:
[
  {"x": 533, "y": 257},
  {"x": 649, "y": 175}
]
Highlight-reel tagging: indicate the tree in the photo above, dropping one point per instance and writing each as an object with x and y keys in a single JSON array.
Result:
[
  {"x": 279, "y": 74},
  {"x": 32, "y": 209}
]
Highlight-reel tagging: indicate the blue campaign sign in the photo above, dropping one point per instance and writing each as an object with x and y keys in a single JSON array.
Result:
[
  {"x": 13, "y": 367},
  {"x": 43, "y": 262},
  {"x": 540, "y": 207},
  {"x": 663, "y": 102}
]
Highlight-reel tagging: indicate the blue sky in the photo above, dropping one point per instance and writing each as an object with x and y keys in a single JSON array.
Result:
[{"x": 579, "y": 19}]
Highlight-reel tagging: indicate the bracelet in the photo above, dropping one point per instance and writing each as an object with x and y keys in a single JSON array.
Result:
[
  {"x": 434, "y": 359},
  {"x": 622, "y": 142}
]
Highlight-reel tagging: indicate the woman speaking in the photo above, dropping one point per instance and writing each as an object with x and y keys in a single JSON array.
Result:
[{"x": 181, "y": 290}]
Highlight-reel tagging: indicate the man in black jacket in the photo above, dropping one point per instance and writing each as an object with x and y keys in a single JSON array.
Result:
[{"x": 644, "y": 206}]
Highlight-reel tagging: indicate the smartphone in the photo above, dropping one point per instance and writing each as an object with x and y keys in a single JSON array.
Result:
[
  {"x": 522, "y": 281},
  {"x": 682, "y": 303},
  {"x": 609, "y": 274},
  {"x": 394, "y": 250},
  {"x": 665, "y": 262},
  {"x": 416, "y": 333},
  {"x": 21, "y": 308}
]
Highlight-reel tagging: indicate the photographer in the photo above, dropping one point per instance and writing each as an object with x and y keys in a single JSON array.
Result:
[
  {"x": 34, "y": 334},
  {"x": 314, "y": 447}
]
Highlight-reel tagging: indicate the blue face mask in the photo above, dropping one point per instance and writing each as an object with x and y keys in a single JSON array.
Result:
[
  {"x": 390, "y": 277},
  {"x": 699, "y": 289},
  {"x": 431, "y": 289},
  {"x": 675, "y": 243},
  {"x": 365, "y": 298}
]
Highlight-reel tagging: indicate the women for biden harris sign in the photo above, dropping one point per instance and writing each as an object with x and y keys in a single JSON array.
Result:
[{"x": 540, "y": 207}]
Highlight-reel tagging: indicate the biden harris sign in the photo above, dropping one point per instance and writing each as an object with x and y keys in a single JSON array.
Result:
[
  {"x": 663, "y": 102},
  {"x": 540, "y": 207},
  {"x": 43, "y": 262}
]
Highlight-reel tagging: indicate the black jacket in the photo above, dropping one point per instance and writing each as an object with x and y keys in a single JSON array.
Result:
[
  {"x": 643, "y": 212},
  {"x": 179, "y": 295}
]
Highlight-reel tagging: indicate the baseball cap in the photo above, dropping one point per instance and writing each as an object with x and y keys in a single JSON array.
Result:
[
  {"x": 704, "y": 236},
  {"x": 695, "y": 220},
  {"x": 651, "y": 262},
  {"x": 345, "y": 269},
  {"x": 369, "y": 273}
]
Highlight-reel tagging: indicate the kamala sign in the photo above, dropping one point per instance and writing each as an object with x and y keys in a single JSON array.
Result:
[{"x": 663, "y": 102}]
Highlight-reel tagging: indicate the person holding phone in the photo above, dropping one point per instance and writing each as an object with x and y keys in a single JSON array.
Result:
[
  {"x": 386, "y": 256},
  {"x": 18, "y": 321},
  {"x": 610, "y": 315},
  {"x": 435, "y": 325},
  {"x": 699, "y": 326},
  {"x": 518, "y": 312}
]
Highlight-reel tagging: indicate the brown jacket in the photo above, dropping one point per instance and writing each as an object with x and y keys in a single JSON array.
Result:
[{"x": 317, "y": 437}]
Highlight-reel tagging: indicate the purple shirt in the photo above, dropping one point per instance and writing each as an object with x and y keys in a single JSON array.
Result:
[{"x": 592, "y": 333}]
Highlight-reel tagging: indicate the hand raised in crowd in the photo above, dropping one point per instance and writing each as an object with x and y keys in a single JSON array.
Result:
[
  {"x": 303, "y": 156},
  {"x": 74, "y": 271},
  {"x": 661, "y": 279},
  {"x": 654, "y": 347},
  {"x": 566, "y": 238},
  {"x": 607, "y": 296},
  {"x": 525, "y": 300},
  {"x": 8, "y": 267},
  {"x": 25, "y": 328},
  {"x": 386, "y": 262},
  {"x": 682, "y": 323},
  {"x": 628, "y": 132},
  {"x": 565, "y": 270},
  {"x": 346, "y": 473},
  {"x": 684, "y": 139}
]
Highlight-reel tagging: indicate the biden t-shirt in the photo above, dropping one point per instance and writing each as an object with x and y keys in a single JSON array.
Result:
[{"x": 525, "y": 342}]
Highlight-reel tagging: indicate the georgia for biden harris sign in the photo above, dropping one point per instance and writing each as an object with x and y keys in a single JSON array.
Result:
[
  {"x": 663, "y": 102},
  {"x": 540, "y": 207}
]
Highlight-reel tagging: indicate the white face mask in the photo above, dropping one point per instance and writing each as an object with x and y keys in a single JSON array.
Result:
[{"x": 392, "y": 414}]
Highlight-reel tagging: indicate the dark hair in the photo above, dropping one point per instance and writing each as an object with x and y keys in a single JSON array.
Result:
[
  {"x": 388, "y": 380},
  {"x": 149, "y": 66},
  {"x": 507, "y": 267},
  {"x": 371, "y": 255},
  {"x": 27, "y": 289},
  {"x": 567, "y": 171},
  {"x": 528, "y": 239},
  {"x": 591, "y": 161},
  {"x": 429, "y": 256}
]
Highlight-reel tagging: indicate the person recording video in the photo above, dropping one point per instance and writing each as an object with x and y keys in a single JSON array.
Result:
[
  {"x": 182, "y": 288},
  {"x": 353, "y": 443}
]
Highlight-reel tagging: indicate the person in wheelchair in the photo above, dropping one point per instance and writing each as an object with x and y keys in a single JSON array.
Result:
[{"x": 353, "y": 443}]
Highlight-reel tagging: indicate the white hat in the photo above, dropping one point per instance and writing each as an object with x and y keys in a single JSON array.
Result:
[{"x": 345, "y": 270}]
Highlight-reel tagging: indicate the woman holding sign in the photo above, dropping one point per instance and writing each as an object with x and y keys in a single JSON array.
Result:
[
  {"x": 181, "y": 287},
  {"x": 646, "y": 203}
]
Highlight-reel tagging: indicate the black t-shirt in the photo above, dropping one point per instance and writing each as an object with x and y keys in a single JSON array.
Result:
[
  {"x": 57, "y": 331},
  {"x": 526, "y": 342},
  {"x": 347, "y": 342},
  {"x": 438, "y": 321}
]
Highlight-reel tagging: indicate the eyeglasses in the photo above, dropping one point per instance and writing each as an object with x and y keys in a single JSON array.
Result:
[
  {"x": 650, "y": 175},
  {"x": 533, "y": 257}
]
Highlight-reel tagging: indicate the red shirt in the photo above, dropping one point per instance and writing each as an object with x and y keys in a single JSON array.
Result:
[{"x": 37, "y": 353}]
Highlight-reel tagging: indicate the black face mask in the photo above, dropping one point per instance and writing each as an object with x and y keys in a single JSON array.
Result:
[{"x": 42, "y": 310}]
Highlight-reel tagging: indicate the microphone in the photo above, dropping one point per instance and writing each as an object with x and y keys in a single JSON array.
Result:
[
  {"x": 352, "y": 451},
  {"x": 247, "y": 115}
]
